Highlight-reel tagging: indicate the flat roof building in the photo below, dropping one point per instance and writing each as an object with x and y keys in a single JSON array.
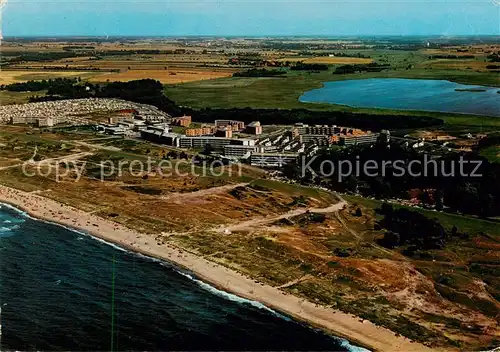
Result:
[
  {"x": 254, "y": 128},
  {"x": 235, "y": 125},
  {"x": 273, "y": 159},
  {"x": 354, "y": 140},
  {"x": 238, "y": 151},
  {"x": 225, "y": 132},
  {"x": 183, "y": 121},
  {"x": 217, "y": 143}
]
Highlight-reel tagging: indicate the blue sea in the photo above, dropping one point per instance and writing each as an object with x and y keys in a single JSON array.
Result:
[
  {"x": 408, "y": 94},
  {"x": 64, "y": 290}
]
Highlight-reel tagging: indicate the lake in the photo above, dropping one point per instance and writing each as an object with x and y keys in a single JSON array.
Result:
[{"x": 409, "y": 94}]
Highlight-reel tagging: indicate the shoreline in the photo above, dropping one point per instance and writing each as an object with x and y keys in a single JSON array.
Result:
[{"x": 354, "y": 329}]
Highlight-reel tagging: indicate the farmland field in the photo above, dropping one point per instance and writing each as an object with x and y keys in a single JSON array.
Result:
[
  {"x": 468, "y": 64},
  {"x": 171, "y": 76},
  {"x": 9, "y": 77},
  {"x": 136, "y": 62},
  {"x": 329, "y": 60},
  {"x": 7, "y": 97}
]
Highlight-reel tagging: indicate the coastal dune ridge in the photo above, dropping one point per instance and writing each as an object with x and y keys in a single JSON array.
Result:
[{"x": 209, "y": 275}]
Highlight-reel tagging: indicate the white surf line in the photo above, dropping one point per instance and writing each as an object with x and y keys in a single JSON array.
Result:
[{"x": 191, "y": 276}]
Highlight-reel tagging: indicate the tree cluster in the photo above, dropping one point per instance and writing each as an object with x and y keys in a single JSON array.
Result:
[
  {"x": 341, "y": 54},
  {"x": 494, "y": 57},
  {"x": 259, "y": 73},
  {"x": 371, "y": 67},
  {"x": 454, "y": 57},
  {"x": 146, "y": 91},
  {"x": 453, "y": 176},
  {"x": 292, "y": 116},
  {"x": 43, "y": 56},
  {"x": 36, "y": 86},
  {"x": 301, "y": 66},
  {"x": 410, "y": 227}
]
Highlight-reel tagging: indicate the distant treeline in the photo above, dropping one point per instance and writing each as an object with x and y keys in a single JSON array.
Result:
[
  {"x": 66, "y": 68},
  {"x": 494, "y": 57},
  {"x": 72, "y": 52},
  {"x": 77, "y": 47},
  {"x": 291, "y": 116},
  {"x": 357, "y": 55},
  {"x": 42, "y": 57},
  {"x": 301, "y": 66},
  {"x": 36, "y": 86},
  {"x": 245, "y": 60},
  {"x": 139, "y": 52},
  {"x": 284, "y": 46},
  {"x": 402, "y": 47},
  {"x": 371, "y": 67},
  {"x": 493, "y": 67},
  {"x": 259, "y": 73},
  {"x": 455, "y": 57}
]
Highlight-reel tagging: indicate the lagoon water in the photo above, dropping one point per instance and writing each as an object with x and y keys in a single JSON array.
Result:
[
  {"x": 408, "y": 94},
  {"x": 56, "y": 289}
]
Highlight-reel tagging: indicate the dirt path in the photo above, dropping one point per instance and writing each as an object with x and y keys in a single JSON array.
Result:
[
  {"x": 294, "y": 282},
  {"x": 179, "y": 197},
  {"x": 51, "y": 161},
  {"x": 360, "y": 239},
  {"x": 254, "y": 223},
  {"x": 95, "y": 146}
]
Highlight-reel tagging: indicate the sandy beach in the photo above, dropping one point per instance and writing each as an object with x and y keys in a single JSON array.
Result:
[{"x": 354, "y": 329}]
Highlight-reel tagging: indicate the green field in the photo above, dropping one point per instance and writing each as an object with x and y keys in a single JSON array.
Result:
[
  {"x": 16, "y": 97},
  {"x": 492, "y": 153}
]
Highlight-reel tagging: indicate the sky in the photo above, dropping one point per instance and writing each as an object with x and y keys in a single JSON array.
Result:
[{"x": 250, "y": 17}]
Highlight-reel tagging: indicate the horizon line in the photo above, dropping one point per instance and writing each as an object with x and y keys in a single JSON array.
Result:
[{"x": 329, "y": 36}]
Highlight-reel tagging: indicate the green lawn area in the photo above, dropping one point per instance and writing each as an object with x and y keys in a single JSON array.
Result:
[
  {"x": 295, "y": 190},
  {"x": 17, "y": 97},
  {"x": 492, "y": 153}
]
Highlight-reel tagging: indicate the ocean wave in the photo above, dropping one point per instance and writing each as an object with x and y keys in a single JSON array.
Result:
[
  {"x": 234, "y": 298},
  {"x": 7, "y": 231},
  {"x": 229, "y": 296},
  {"x": 15, "y": 209},
  {"x": 26, "y": 215},
  {"x": 346, "y": 344},
  {"x": 115, "y": 246}
]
